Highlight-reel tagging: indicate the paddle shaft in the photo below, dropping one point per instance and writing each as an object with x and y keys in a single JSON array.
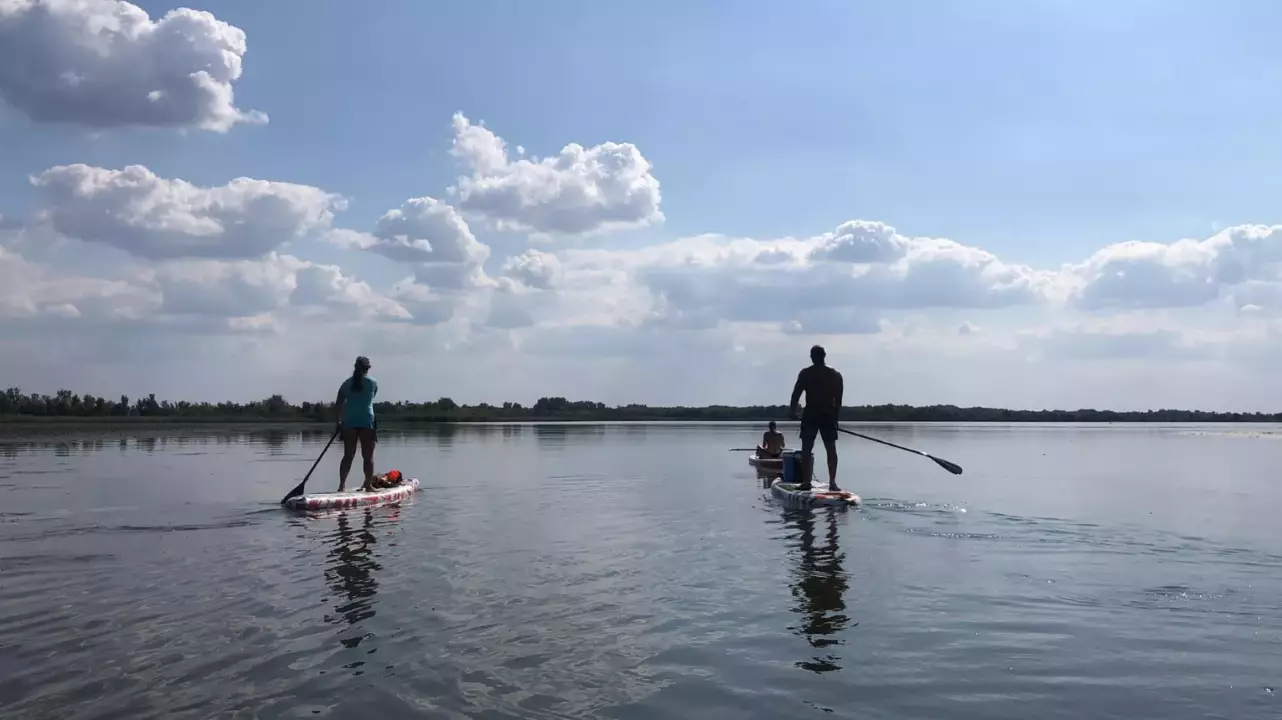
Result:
[
  {"x": 951, "y": 467},
  {"x": 299, "y": 489}
]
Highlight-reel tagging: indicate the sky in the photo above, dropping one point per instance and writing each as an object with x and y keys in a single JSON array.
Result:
[{"x": 1027, "y": 205}]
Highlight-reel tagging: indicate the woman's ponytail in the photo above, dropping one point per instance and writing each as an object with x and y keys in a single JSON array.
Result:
[{"x": 362, "y": 367}]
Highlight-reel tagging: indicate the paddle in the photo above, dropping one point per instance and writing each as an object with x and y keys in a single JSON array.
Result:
[
  {"x": 953, "y": 468},
  {"x": 299, "y": 490}
]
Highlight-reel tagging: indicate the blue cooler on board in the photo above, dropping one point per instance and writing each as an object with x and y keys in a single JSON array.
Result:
[{"x": 791, "y": 466}]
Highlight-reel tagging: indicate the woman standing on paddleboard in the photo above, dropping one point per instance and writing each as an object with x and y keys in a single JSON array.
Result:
[{"x": 355, "y": 406}]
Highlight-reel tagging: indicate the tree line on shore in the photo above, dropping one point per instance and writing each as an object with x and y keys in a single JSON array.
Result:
[{"x": 14, "y": 404}]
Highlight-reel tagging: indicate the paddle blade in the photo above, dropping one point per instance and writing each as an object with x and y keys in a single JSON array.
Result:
[
  {"x": 953, "y": 468},
  {"x": 298, "y": 490}
]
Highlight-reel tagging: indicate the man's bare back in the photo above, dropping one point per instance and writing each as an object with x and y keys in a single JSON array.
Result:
[{"x": 823, "y": 387}]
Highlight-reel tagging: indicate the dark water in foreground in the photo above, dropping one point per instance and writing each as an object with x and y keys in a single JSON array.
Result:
[{"x": 642, "y": 572}]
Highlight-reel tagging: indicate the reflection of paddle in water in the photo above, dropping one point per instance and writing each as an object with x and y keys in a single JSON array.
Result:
[
  {"x": 819, "y": 585},
  {"x": 350, "y": 571}
]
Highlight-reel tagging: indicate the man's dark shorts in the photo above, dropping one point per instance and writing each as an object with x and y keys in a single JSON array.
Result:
[{"x": 825, "y": 427}]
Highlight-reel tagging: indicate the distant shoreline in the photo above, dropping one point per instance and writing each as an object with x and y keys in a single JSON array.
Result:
[
  {"x": 76, "y": 429},
  {"x": 67, "y": 408},
  {"x": 10, "y": 422},
  {"x": 401, "y": 422}
]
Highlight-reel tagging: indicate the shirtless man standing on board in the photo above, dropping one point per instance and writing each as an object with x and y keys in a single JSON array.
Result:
[{"x": 823, "y": 387}]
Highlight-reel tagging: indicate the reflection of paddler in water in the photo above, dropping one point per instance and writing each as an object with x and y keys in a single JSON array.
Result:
[
  {"x": 819, "y": 586},
  {"x": 350, "y": 572}
]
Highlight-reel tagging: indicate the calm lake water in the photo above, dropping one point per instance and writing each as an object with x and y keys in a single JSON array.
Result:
[{"x": 641, "y": 571}]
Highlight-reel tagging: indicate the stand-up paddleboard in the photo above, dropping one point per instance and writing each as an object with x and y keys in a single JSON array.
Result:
[
  {"x": 791, "y": 495},
  {"x": 357, "y": 498},
  {"x": 773, "y": 464},
  {"x": 766, "y": 463}
]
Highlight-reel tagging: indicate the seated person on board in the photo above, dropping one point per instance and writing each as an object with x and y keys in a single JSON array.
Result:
[{"x": 771, "y": 443}]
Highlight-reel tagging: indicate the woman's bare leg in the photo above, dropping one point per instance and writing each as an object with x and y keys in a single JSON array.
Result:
[
  {"x": 349, "y": 454},
  {"x": 367, "y": 455}
]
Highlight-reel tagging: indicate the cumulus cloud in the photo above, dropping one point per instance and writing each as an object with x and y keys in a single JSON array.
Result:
[
  {"x": 829, "y": 283},
  {"x": 325, "y": 286},
  {"x": 535, "y": 269},
  {"x": 226, "y": 289},
  {"x": 429, "y": 236},
  {"x": 186, "y": 296},
  {"x": 1186, "y": 273},
  {"x": 210, "y": 266},
  {"x": 426, "y": 306},
  {"x": 254, "y": 288},
  {"x": 860, "y": 241},
  {"x": 426, "y": 230},
  {"x": 106, "y": 64},
  {"x": 157, "y": 218},
  {"x": 29, "y": 291},
  {"x": 432, "y": 238},
  {"x": 579, "y": 191}
]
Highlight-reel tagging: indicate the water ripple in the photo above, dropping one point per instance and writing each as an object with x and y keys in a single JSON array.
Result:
[{"x": 540, "y": 576}]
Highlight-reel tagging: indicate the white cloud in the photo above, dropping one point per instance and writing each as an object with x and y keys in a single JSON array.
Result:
[
  {"x": 579, "y": 191},
  {"x": 244, "y": 289},
  {"x": 325, "y": 286},
  {"x": 904, "y": 312},
  {"x": 430, "y": 237},
  {"x": 106, "y": 64},
  {"x": 1186, "y": 273},
  {"x": 860, "y": 241},
  {"x": 226, "y": 289},
  {"x": 836, "y": 282},
  {"x": 157, "y": 218},
  {"x": 426, "y": 230},
  {"x": 426, "y": 306},
  {"x": 535, "y": 269},
  {"x": 29, "y": 291}
]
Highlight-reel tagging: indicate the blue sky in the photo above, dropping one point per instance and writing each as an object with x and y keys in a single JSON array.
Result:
[{"x": 1038, "y": 132}]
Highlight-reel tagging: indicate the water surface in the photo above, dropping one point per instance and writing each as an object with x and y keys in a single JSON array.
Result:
[{"x": 642, "y": 571}]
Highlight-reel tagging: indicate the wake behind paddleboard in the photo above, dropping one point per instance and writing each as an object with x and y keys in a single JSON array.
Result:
[
  {"x": 791, "y": 495},
  {"x": 358, "y": 498}
]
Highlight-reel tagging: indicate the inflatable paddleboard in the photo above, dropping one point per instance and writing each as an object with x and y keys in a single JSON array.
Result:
[
  {"x": 769, "y": 463},
  {"x": 791, "y": 495},
  {"x": 351, "y": 499},
  {"x": 765, "y": 463}
]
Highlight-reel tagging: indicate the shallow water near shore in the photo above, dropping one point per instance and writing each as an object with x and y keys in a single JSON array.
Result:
[{"x": 643, "y": 571}]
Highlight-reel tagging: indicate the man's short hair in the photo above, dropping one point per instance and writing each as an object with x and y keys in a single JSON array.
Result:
[{"x": 817, "y": 351}]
